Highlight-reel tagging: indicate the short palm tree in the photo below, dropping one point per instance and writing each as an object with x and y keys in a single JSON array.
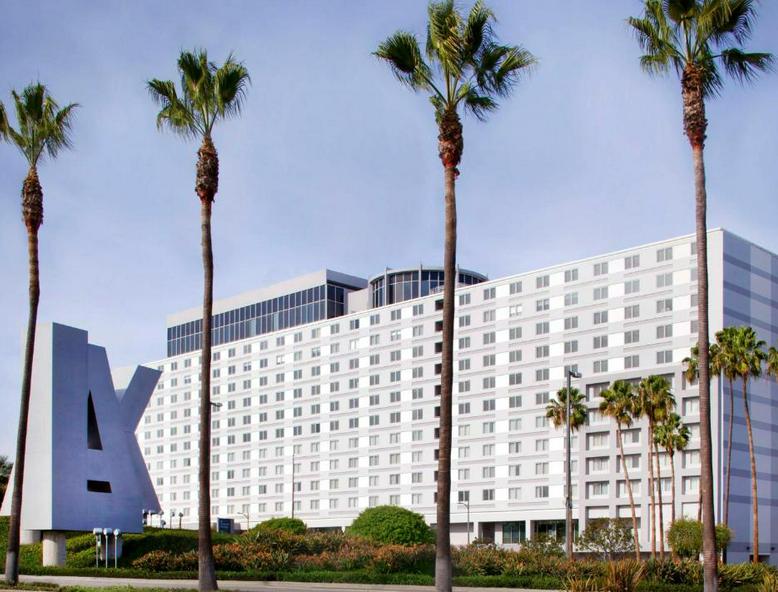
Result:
[
  {"x": 654, "y": 402},
  {"x": 618, "y": 402},
  {"x": 556, "y": 410},
  {"x": 208, "y": 94},
  {"x": 5, "y": 473},
  {"x": 747, "y": 357},
  {"x": 672, "y": 435},
  {"x": 463, "y": 69},
  {"x": 43, "y": 130},
  {"x": 696, "y": 38}
]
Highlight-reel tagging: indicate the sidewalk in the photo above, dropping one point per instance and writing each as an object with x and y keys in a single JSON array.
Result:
[{"x": 238, "y": 585}]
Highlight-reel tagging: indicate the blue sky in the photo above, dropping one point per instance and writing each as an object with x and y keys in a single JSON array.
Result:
[{"x": 334, "y": 164}]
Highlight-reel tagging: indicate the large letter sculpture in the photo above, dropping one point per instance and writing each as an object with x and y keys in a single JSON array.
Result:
[{"x": 84, "y": 468}]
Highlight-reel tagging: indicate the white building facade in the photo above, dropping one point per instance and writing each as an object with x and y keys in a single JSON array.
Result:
[{"x": 328, "y": 390}]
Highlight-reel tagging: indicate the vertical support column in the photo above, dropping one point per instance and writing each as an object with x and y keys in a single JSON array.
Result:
[
  {"x": 54, "y": 549},
  {"x": 29, "y": 537}
]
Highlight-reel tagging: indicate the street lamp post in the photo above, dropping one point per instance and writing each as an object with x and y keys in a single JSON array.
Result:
[
  {"x": 466, "y": 504},
  {"x": 293, "y": 484},
  {"x": 569, "y": 477}
]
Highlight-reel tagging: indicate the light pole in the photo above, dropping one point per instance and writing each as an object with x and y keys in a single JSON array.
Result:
[
  {"x": 569, "y": 477},
  {"x": 292, "y": 482},
  {"x": 466, "y": 504},
  {"x": 246, "y": 516},
  {"x": 180, "y": 516}
]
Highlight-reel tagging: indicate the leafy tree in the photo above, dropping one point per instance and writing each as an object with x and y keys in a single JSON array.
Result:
[
  {"x": 609, "y": 538},
  {"x": 207, "y": 95},
  {"x": 747, "y": 356},
  {"x": 672, "y": 435},
  {"x": 463, "y": 68},
  {"x": 5, "y": 473},
  {"x": 696, "y": 38},
  {"x": 43, "y": 130},
  {"x": 685, "y": 538},
  {"x": 654, "y": 402},
  {"x": 619, "y": 403},
  {"x": 391, "y": 525}
]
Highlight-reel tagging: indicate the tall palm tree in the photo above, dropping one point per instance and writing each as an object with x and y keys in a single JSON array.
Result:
[
  {"x": 618, "y": 402},
  {"x": 672, "y": 435},
  {"x": 722, "y": 364},
  {"x": 747, "y": 357},
  {"x": 44, "y": 129},
  {"x": 654, "y": 402},
  {"x": 463, "y": 69},
  {"x": 208, "y": 94},
  {"x": 556, "y": 410},
  {"x": 696, "y": 38},
  {"x": 691, "y": 367}
]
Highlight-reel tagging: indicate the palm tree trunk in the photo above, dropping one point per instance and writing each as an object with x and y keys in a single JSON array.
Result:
[
  {"x": 695, "y": 125},
  {"x": 635, "y": 533},
  {"x": 207, "y": 165},
  {"x": 450, "y": 150},
  {"x": 32, "y": 213},
  {"x": 652, "y": 503},
  {"x": 672, "y": 485},
  {"x": 752, "y": 458},
  {"x": 661, "y": 511},
  {"x": 729, "y": 450}
]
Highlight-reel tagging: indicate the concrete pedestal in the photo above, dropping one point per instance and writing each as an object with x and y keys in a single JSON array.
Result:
[
  {"x": 54, "y": 549},
  {"x": 29, "y": 537}
]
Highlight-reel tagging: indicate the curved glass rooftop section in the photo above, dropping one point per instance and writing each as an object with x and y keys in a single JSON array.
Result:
[{"x": 399, "y": 285}]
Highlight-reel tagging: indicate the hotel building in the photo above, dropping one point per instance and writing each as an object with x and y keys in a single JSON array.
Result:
[{"x": 327, "y": 389}]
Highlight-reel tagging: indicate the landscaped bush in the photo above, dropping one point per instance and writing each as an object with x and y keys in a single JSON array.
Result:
[
  {"x": 161, "y": 561},
  {"x": 482, "y": 560},
  {"x": 174, "y": 541},
  {"x": 733, "y": 575},
  {"x": 685, "y": 537},
  {"x": 608, "y": 538},
  {"x": 292, "y": 525},
  {"x": 623, "y": 576},
  {"x": 391, "y": 525},
  {"x": 686, "y": 571}
]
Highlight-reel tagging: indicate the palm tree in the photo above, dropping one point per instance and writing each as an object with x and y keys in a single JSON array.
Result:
[
  {"x": 44, "y": 129},
  {"x": 467, "y": 70},
  {"x": 556, "y": 410},
  {"x": 722, "y": 363},
  {"x": 208, "y": 94},
  {"x": 695, "y": 38},
  {"x": 654, "y": 402},
  {"x": 673, "y": 436},
  {"x": 618, "y": 402},
  {"x": 747, "y": 357}
]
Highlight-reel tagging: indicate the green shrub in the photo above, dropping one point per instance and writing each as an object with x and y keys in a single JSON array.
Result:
[
  {"x": 162, "y": 561},
  {"x": 769, "y": 583},
  {"x": 481, "y": 560},
  {"x": 392, "y": 525},
  {"x": 291, "y": 525},
  {"x": 685, "y": 537},
  {"x": 734, "y": 575},
  {"x": 607, "y": 538},
  {"x": 685, "y": 571},
  {"x": 542, "y": 546},
  {"x": 623, "y": 576},
  {"x": 580, "y": 584}
]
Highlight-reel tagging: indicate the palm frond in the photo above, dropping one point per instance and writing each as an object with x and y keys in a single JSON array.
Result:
[
  {"x": 4, "y": 124},
  {"x": 402, "y": 52},
  {"x": 743, "y": 66},
  {"x": 477, "y": 104},
  {"x": 230, "y": 84},
  {"x": 60, "y": 128},
  {"x": 478, "y": 30},
  {"x": 719, "y": 21},
  {"x": 445, "y": 43},
  {"x": 680, "y": 10}
]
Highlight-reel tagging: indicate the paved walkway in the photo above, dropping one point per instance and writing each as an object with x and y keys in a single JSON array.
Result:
[{"x": 238, "y": 585}]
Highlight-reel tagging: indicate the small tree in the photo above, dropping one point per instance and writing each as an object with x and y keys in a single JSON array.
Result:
[
  {"x": 608, "y": 537},
  {"x": 685, "y": 538},
  {"x": 391, "y": 525}
]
